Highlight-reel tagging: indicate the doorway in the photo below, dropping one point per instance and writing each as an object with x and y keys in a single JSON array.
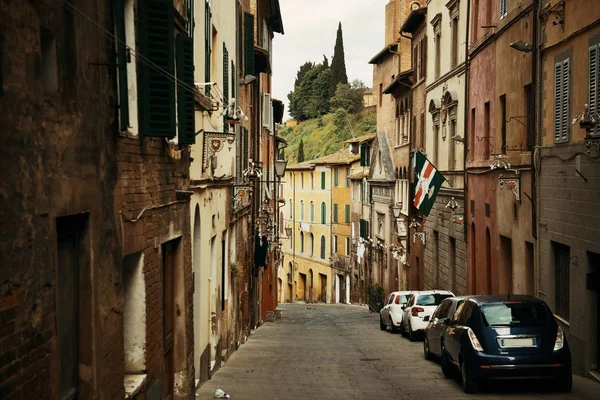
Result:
[
  {"x": 168, "y": 272},
  {"x": 301, "y": 289},
  {"x": 323, "y": 296},
  {"x": 341, "y": 289},
  {"x": 593, "y": 278}
]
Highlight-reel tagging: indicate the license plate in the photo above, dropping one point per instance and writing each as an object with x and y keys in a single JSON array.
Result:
[{"x": 518, "y": 342}]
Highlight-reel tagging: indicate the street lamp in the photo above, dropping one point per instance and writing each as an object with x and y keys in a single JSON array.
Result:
[
  {"x": 280, "y": 166},
  {"x": 288, "y": 231},
  {"x": 396, "y": 210}
]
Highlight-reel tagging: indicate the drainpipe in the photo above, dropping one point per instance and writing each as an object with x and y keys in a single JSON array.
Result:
[
  {"x": 466, "y": 133},
  {"x": 536, "y": 76}
]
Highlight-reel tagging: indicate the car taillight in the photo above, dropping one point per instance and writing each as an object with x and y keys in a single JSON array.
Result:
[
  {"x": 474, "y": 341},
  {"x": 560, "y": 339},
  {"x": 416, "y": 310},
  {"x": 397, "y": 300}
]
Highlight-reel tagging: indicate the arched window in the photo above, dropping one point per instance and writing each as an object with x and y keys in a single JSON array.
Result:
[
  {"x": 291, "y": 209},
  {"x": 301, "y": 242},
  {"x": 312, "y": 211},
  {"x": 311, "y": 244},
  {"x": 323, "y": 213},
  {"x": 301, "y": 210},
  {"x": 323, "y": 247}
]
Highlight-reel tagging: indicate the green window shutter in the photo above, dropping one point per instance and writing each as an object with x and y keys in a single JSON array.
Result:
[
  {"x": 312, "y": 212},
  {"x": 225, "y": 85},
  {"x": 157, "y": 89},
  {"x": 122, "y": 64},
  {"x": 347, "y": 177},
  {"x": 185, "y": 97},
  {"x": 362, "y": 156},
  {"x": 335, "y": 177},
  {"x": 347, "y": 213},
  {"x": 361, "y": 224},
  {"x": 323, "y": 213},
  {"x": 249, "y": 43},
  {"x": 207, "y": 46},
  {"x": 323, "y": 180},
  {"x": 335, "y": 213}
]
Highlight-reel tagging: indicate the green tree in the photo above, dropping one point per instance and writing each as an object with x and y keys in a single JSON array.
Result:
[
  {"x": 300, "y": 151},
  {"x": 310, "y": 99},
  {"x": 338, "y": 63},
  {"x": 349, "y": 97}
]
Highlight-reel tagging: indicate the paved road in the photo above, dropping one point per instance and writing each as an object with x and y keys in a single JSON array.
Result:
[{"x": 338, "y": 352}]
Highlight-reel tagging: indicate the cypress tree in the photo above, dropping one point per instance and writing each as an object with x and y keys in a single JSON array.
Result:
[
  {"x": 338, "y": 63},
  {"x": 301, "y": 151}
]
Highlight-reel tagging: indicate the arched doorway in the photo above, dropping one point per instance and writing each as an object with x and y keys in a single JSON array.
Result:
[{"x": 310, "y": 285}]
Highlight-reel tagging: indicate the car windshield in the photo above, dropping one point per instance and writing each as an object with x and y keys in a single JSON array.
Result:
[
  {"x": 432, "y": 299},
  {"x": 514, "y": 314},
  {"x": 403, "y": 299}
]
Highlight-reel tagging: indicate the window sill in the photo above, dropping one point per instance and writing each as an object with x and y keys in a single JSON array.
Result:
[
  {"x": 562, "y": 321},
  {"x": 133, "y": 384}
]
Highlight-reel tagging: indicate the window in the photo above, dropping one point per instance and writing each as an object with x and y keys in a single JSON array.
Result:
[
  {"x": 423, "y": 50},
  {"x": 335, "y": 213},
  {"x": 475, "y": 20},
  {"x": 514, "y": 314},
  {"x": 365, "y": 155},
  {"x": 486, "y": 130},
  {"x": 301, "y": 242},
  {"x": 364, "y": 228},
  {"x": 291, "y": 208},
  {"x": 185, "y": 98},
  {"x": 503, "y": 8},
  {"x": 436, "y": 138},
  {"x": 156, "y": 99},
  {"x": 530, "y": 112},
  {"x": 347, "y": 212},
  {"x": 347, "y": 250},
  {"x": 436, "y": 22},
  {"x": 335, "y": 177},
  {"x": 471, "y": 148},
  {"x": 312, "y": 211},
  {"x": 323, "y": 213},
  {"x": 503, "y": 122},
  {"x": 323, "y": 247},
  {"x": 323, "y": 180},
  {"x": 452, "y": 144},
  {"x": 48, "y": 61},
  {"x": 312, "y": 180},
  {"x": 248, "y": 44},
  {"x": 335, "y": 243},
  {"x": 301, "y": 180},
  {"x": 311, "y": 244},
  {"x": 347, "y": 177},
  {"x": 561, "y": 100},
  {"x": 455, "y": 44},
  {"x": 432, "y": 299},
  {"x": 380, "y": 94},
  {"x": 267, "y": 111},
  {"x": 225, "y": 85},
  {"x": 207, "y": 46},
  {"x": 593, "y": 87},
  {"x": 562, "y": 279},
  {"x": 301, "y": 210}
]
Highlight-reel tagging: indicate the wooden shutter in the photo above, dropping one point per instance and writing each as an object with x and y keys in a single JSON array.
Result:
[
  {"x": 323, "y": 213},
  {"x": 565, "y": 123},
  {"x": 335, "y": 213},
  {"x": 362, "y": 156},
  {"x": 335, "y": 176},
  {"x": 249, "y": 43},
  {"x": 593, "y": 81},
  {"x": 185, "y": 94},
  {"x": 558, "y": 99},
  {"x": 323, "y": 180},
  {"x": 156, "y": 83},
  {"x": 266, "y": 110},
  {"x": 207, "y": 46},
  {"x": 122, "y": 65},
  {"x": 225, "y": 85},
  {"x": 347, "y": 213}
]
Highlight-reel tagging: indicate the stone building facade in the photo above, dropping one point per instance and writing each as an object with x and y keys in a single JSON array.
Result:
[{"x": 568, "y": 171}]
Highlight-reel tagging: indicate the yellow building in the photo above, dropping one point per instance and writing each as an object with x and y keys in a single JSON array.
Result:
[{"x": 318, "y": 200}]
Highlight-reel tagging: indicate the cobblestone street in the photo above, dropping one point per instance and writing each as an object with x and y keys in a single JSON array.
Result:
[{"x": 338, "y": 352}]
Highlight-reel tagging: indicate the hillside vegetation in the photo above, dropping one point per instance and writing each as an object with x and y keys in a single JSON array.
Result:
[{"x": 322, "y": 136}]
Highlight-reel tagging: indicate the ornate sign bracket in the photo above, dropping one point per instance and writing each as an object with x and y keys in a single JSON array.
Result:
[
  {"x": 214, "y": 142},
  {"x": 512, "y": 185}
]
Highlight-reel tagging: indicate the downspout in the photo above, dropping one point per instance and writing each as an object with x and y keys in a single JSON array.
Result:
[
  {"x": 537, "y": 106},
  {"x": 466, "y": 134}
]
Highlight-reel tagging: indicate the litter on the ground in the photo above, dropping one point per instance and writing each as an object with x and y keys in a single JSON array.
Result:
[{"x": 219, "y": 394}]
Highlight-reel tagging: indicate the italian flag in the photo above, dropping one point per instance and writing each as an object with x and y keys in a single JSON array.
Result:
[{"x": 428, "y": 182}]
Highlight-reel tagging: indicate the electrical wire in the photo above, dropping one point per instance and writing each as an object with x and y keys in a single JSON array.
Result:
[{"x": 70, "y": 7}]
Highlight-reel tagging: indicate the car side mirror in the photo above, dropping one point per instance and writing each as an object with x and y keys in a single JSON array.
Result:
[
  {"x": 447, "y": 322},
  {"x": 426, "y": 319}
]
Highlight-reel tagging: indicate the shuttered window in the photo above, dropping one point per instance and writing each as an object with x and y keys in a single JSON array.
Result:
[
  {"x": 185, "y": 95},
  {"x": 323, "y": 247},
  {"x": 594, "y": 74},
  {"x": 323, "y": 180},
  {"x": 323, "y": 213},
  {"x": 122, "y": 65},
  {"x": 561, "y": 101},
  {"x": 335, "y": 213},
  {"x": 365, "y": 156},
  {"x": 335, "y": 177},
  {"x": 562, "y": 279},
  {"x": 249, "y": 43},
  {"x": 225, "y": 85},
  {"x": 207, "y": 46},
  {"x": 312, "y": 212},
  {"x": 364, "y": 228},
  {"x": 157, "y": 89},
  {"x": 347, "y": 219},
  {"x": 503, "y": 8}
]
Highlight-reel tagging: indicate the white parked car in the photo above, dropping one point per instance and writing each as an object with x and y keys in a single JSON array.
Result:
[
  {"x": 419, "y": 306},
  {"x": 391, "y": 313}
]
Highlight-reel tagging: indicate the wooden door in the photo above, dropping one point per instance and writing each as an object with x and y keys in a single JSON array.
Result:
[{"x": 168, "y": 263}]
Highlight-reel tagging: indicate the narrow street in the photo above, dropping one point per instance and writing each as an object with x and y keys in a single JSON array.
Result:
[{"x": 338, "y": 352}]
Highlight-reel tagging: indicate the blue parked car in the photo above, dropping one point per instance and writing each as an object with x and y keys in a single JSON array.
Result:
[{"x": 503, "y": 337}]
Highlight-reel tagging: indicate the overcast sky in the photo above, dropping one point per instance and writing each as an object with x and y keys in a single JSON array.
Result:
[{"x": 310, "y": 29}]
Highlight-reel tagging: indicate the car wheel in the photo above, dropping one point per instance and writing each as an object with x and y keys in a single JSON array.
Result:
[
  {"x": 381, "y": 324},
  {"x": 402, "y": 330},
  {"x": 565, "y": 383},
  {"x": 426, "y": 352},
  {"x": 412, "y": 336},
  {"x": 445, "y": 363},
  {"x": 469, "y": 384},
  {"x": 393, "y": 328}
]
